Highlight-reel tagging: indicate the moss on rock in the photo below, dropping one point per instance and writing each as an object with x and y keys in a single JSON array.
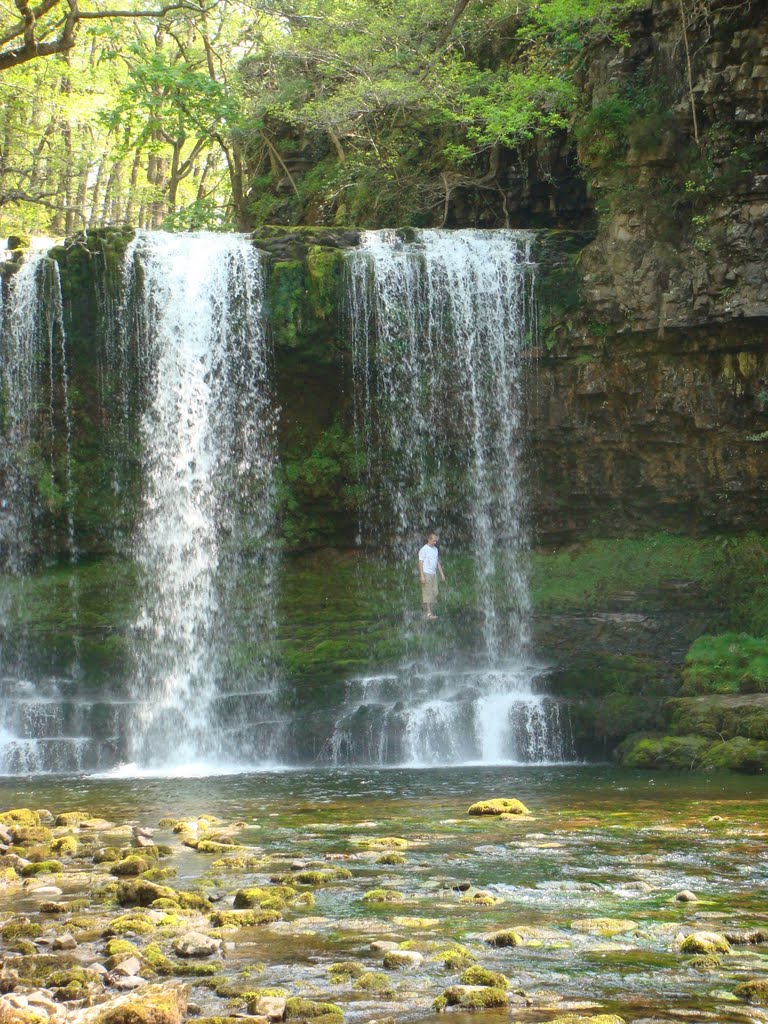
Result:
[
  {"x": 383, "y": 896},
  {"x": 705, "y": 942},
  {"x": 677, "y": 752},
  {"x": 244, "y": 918},
  {"x": 475, "y": 997},
  {"x": 504, "y": 937},
  {"x": 606, "y": 927},
  {"x": 753, "y": 991},
  {"x": 297, "y": 1008},
  {"x": 155, "y": 1005},
  {"x": 477, "y": 975},
  {"x": 376, "y": 982},
  {"x": 500, "y": 805}
]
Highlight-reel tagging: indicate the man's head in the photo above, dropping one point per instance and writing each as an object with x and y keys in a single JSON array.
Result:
[{"x": 432, "y": 539}]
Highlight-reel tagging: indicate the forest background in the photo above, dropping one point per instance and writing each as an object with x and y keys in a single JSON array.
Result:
[{"x": 228, "y": 113}]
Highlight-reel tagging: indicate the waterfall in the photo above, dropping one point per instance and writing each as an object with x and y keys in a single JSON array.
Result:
[
  {"x": 36, "y": 480},
  {"x": 36, "y": 427},
  {"x": 204, "y": 542},
  {"x": 439, "y": 323}
]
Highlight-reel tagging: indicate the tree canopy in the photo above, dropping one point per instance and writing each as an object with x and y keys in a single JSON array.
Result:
[{"x": 221, "y": 114}]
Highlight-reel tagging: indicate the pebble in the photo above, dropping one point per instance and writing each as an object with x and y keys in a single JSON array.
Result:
[
  {"x": 127, "y": 968},
  {"x": 65, "y": 941},
  {"x": 126, "y": 984},
  {"x": 47, "y": 890},
  {"x": 195, "y": 944},
  {"x": 383, "y": 945},
  {"x": 686, "y": 896}
]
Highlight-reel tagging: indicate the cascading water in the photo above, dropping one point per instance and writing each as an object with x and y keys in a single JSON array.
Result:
[
  {"x": 37, "y": 726},
  {"x": 439, "y": 326},
  {"x": 204, "y": 543}
]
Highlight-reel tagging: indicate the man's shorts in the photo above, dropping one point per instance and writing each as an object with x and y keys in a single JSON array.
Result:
[{"x": 429, "y": 588}]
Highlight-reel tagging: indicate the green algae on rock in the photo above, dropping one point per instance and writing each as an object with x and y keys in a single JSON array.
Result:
[
  {"x": 498, "y": 805},
  {"x": 477, "y": 975},
  {"x": 383, "y": 896},
  {"x": 155, "y": 1005},
  {"x": 753, "y": 991},
  {"x": 475, "y": 997},
  {"x": 705, "y": 942},
  {"x": 504, "y": 937},
  {"x": 606, "y": 927}
]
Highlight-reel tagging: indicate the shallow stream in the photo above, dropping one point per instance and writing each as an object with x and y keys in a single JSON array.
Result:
[{"x": 598, "y": 843}]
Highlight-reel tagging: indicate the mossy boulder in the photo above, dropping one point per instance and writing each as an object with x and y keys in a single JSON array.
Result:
[
  {"x": 297, "y": 1008},
  {"x": 20, "y": 816},
  {"x": 477, "y": 975},
  {"x": 345, "y": 970},
  {"x": 454, "y": 958},
  {"x": 121, "y": 947},
  {"x": 132, "y": 924},
  {"x": 255, "y": 896},
  {"x": 501, "y": 805},
  {"x": 321, "y": 876},
  {"x": 27, "y": 835},
  {"x": 753, "y": 991},
  {"x": 606, "y": 927},
  {"x": 129, "y": 867},
  {"x": 504, "y": 937},
  {"x": 244, "y": 918},
  {"x": 383, "y": 896},
  {"x": 382, "y": 843},
  {"x": 705, "y": 942},
  {"x": 391, "y": 859},
  {"x": 71, "y": 819},
  {"x": 157, "y": 1004},
  {"x": 375, "y": 982},
  {"x": 397, "y": 959},
  {"x": 677, "y": 752},
  {"x": 142, "y": 893},
  {"x": 42, "y": 867},
  {"x": 475, "y": 997},
  {"x": 737, "y": 755},
  {"x": 66, "y": 846}
]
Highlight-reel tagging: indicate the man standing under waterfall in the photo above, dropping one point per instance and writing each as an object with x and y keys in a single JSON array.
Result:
[{"x": 429, "y": 567}]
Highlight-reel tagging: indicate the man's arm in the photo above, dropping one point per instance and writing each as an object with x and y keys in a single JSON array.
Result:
[
  {"x": 421, "y": 570},
  {"x": 440, "y": 570}
]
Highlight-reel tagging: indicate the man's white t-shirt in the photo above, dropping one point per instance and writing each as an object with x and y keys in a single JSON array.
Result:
[{"x": 428, "y": 557}]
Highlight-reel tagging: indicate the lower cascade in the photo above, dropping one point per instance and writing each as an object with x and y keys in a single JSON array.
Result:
[
  {"x": 194, "y": 309},
  {"x": 440, "y": 323},
  {"x": 438, "y": 326}
]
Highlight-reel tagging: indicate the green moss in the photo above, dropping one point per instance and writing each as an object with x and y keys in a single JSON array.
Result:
[
  {"x": 152, "y": 1006},
  {"x": 475, "y": 999},
  {"x": 729, "y": 663},
  {"x": 383, "y": 896},
  {"x": 20, "y": 816},
  {"x": 677, "y": 752},
  {"x": 376, "y": 982},
  {"x": 71, "y": 818},
  {"x": 244, "y": 918},
  {"x": 142, "y": 893},
  {"x": 132, "y": 865},
  {"x": 297, "y": 1008},
  {"x": 344, "y": 970},
  {"x": 454, "y": 958},
  {"x": 65, "y": 845},
  {"x": 754, "y": 991},
  {"x": 121, "y": 947},
  {"x": 705, "y": 943},
  {"x": 501, "y": 805},
  {"x": 43, "y": 867},
  {"x": 504, "y": 937},
  {"x": 738, "y": 755},
  {"x": 257, "y": 897},
  {"x": 477, "y": 975},
  {"x": 27, "y": 835},
  {"x": 606, "y": 927},
  {"x": 321, "y": 876},
  {"x": 132, "y": 924},
  {"x": 391, "y": 859},
  {"x": 21, "y": 928}
]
